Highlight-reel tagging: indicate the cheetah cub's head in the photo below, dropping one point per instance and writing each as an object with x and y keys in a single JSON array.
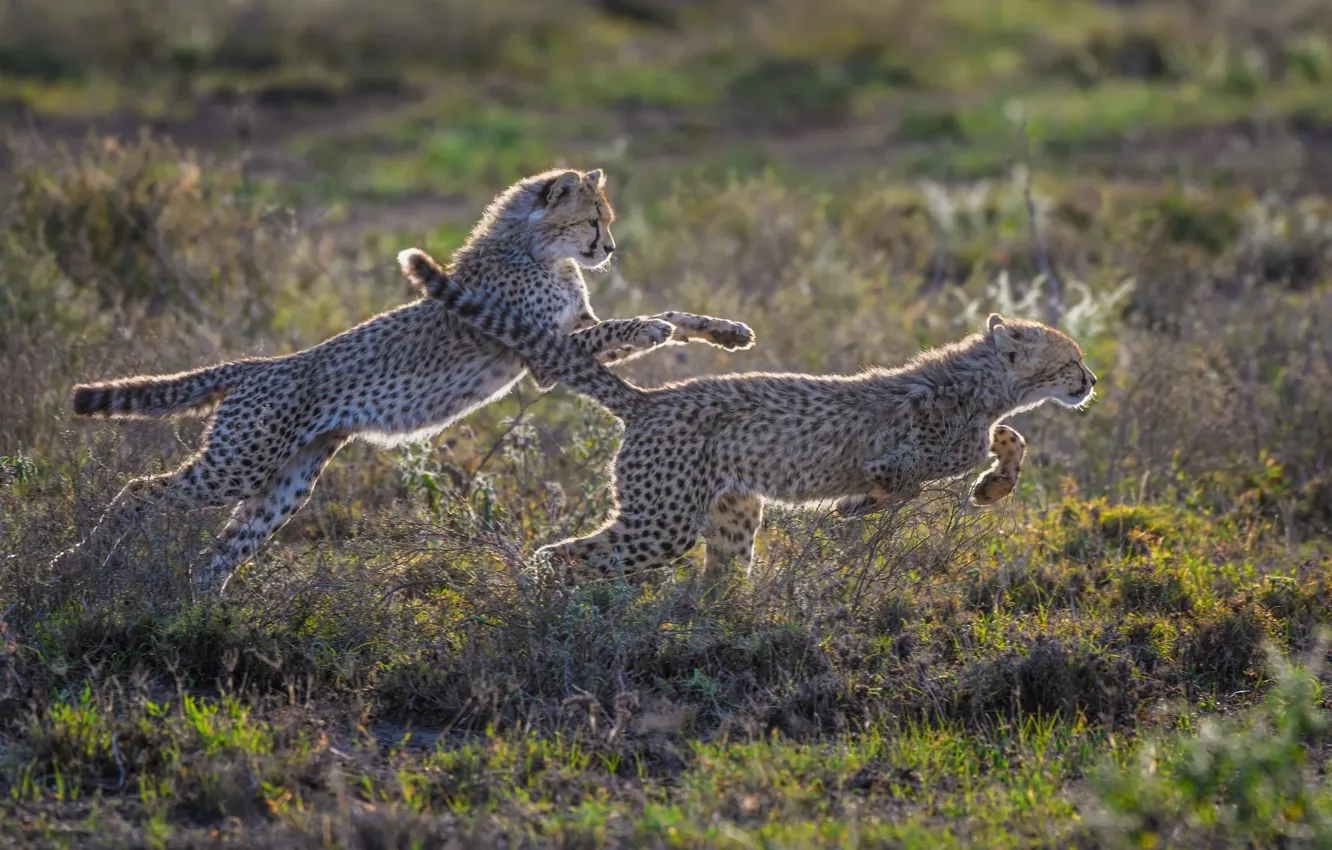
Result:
[
  {"x": 571, "y": 219},
  {"x": 1044, "y": 363}
]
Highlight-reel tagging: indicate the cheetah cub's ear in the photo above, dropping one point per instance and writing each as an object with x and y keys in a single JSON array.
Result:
[
  {"x": 1006, "y": 339},
  {"x": 597, "y": 178},
  {"x": 562, "y": 187}
]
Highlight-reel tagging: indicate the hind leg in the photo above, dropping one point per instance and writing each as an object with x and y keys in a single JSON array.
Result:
[
  {"x": 733, "y": 523},
  {"x": 259, "y": 517},
  {"x": 197, "y": 483},
  {"x": 629, "y": 544},
  {"x": 241, "y": 453},
  {"x": 996, "y": 483},
  {"x": 661, "y": 499}
]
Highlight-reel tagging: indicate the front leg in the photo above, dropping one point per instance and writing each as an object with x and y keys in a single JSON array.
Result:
[
  {"x": 621, "y": 340},
  {"x": 615, "y": 341},
  {"x": 893, "y": 481},
  {"x": 723, "y": 333},
  {"x": 996, "y": 483},
  {"x": 894, "y": 475},
  {"x": 858, "y": 506}
]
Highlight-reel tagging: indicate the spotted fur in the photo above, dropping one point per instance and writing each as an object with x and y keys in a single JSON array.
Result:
[
  {"x": 703, "y": 455},
  {"x": 401, "y": 376}
]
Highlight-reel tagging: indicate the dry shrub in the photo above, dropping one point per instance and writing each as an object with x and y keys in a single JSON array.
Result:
[
  {"x": 145, "y": 225},
  {"x": 76, "y": 38},
  {"x": 1236, "y": 399},
  {"x": 823, "y": 565},
  {"x": 122, "y": 258},
  {"x": 436, "y": 618},
  {"x": 403, "y": 591}
]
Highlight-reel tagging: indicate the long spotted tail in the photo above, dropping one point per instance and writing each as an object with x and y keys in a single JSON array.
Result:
[
  {"x": 158, "y": 396},
  {"x": 546, "y": 349}
]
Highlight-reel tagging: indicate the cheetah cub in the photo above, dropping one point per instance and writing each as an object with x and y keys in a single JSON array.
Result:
[
  {"x": 702, "y": 455},
  {"x": 401, "y": 376}
]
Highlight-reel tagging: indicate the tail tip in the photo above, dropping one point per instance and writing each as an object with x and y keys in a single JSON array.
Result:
[
  {"x": 421, "y": 270},
  {"x": 408, "y": 258}
]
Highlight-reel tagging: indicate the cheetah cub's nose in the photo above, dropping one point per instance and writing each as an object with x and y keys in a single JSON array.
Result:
[{"x": 610, "y": 248}]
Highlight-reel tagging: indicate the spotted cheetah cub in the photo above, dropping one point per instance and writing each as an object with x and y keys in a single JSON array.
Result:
[
  {"x": 403, "y": 375},
  {"x": 702, "y": 455}
]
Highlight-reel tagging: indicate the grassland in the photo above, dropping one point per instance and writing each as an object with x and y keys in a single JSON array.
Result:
[{"x": 1127, "y": 654}]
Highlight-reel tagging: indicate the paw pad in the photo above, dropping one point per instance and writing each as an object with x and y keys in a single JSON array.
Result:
[
  {"x": 658, "y": 331},
  {"x": 992, "y": 487},
  {"x": 732, "y": 335},
  {"x": 856, "y": 506}
]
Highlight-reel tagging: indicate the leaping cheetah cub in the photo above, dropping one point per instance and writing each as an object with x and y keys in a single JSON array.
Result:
[
  {"x": 401, "y": 376},
  {"x": 703, "y": 454}
]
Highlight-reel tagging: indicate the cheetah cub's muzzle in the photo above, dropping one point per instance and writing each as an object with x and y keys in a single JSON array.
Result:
[{"x": 1086, "y": 391}]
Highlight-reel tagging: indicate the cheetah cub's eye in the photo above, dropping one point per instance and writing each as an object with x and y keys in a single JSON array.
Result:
[{"x": 595, "y": 223}]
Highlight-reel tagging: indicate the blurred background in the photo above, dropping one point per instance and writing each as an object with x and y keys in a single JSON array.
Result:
[{"x": 856, "y": 179}]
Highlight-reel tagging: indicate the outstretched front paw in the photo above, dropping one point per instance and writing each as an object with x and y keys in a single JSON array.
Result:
[
  {"x": 723, "y": 333},
  {"x": 652, "y": 332},
  {"x": 858, "y": 506},
  {"x": 732, "y": 336}
]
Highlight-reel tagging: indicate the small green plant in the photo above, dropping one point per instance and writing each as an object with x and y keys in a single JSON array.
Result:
[
  {"x": 1241, "y": 781},
  {"x": 1190, "y": 220},
  {"x": 20, "y": 468},
  {"x": 1311, "y": 56},
  {"x": 425, "y": 475}
]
